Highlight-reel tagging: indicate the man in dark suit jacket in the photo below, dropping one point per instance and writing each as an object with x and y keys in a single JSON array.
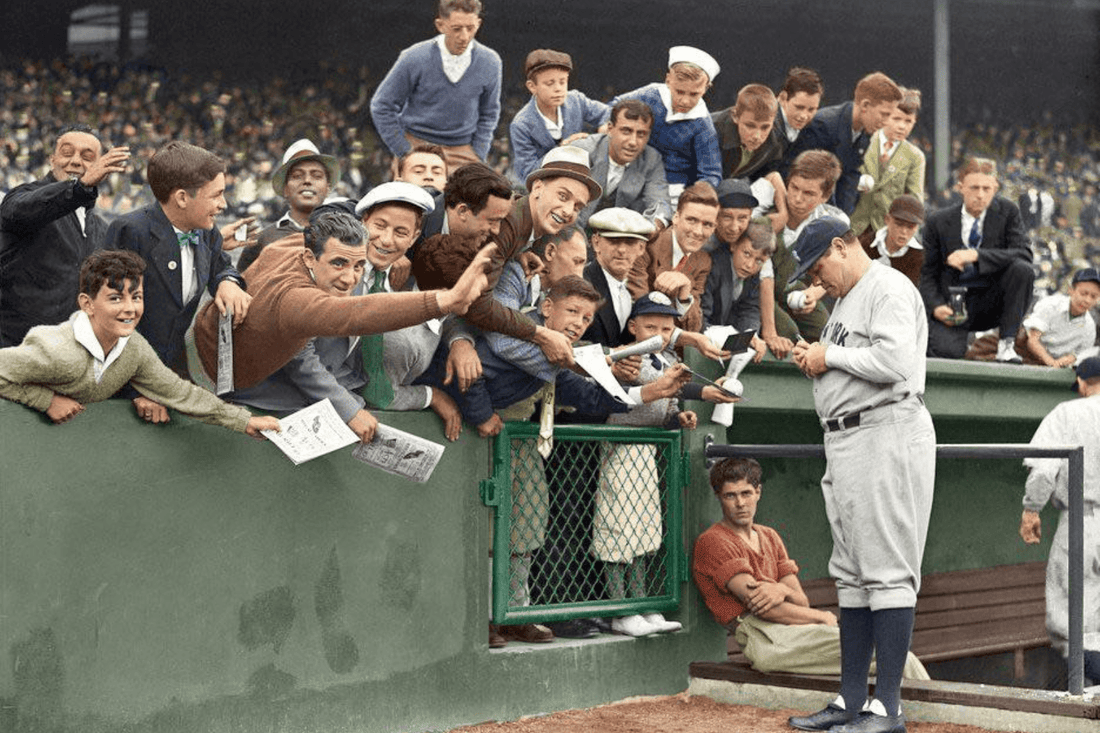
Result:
[
  {"x": 639, "y": 171},
  {"x": 182, "y": 247},
  {"x": 47, "y": 228},
  {"x": 619, "y": 238},
  {"x": 474, "y": 202},
  {"x": 845, "y": 130},
  {"x": 991, "y": 259}
]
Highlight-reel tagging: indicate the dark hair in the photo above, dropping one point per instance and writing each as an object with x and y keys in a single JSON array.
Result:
[
  {"x": 817, "y": 165},
  {"x": 329, "y": 224},
  {"x": 699, "y": 192},
  {"x": 110, "y": 267},
  {"x": 446, "y": 7},
  {"x": 473, "y": 184},
  {"x": 441, "y": 259},
  {"x": 632, "y": 109},
  {"x": 76, "y": 127},
  {"x": 422, "y": 148},
  {"x": 181, "y": 165},
  {"x": 732, "y": 470},
  {"x": 761, "y": 236},
  {"x": 801, "y": 79},
  {"x": 573, "y": 285}
]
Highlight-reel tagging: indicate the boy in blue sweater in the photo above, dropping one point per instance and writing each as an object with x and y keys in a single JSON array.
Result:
[
  {"x": 445, "y": 91},
  {"x": 556, "y": 114}
]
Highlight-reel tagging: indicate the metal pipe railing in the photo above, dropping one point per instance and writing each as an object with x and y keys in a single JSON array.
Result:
[{"x": 1076, "y": 456}]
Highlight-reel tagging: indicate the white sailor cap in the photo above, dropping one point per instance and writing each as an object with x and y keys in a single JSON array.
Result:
[
  {"x": 399, "y": 191},
  {"x": 621, "y": 223},
  {"x": 692, "y": 55}
]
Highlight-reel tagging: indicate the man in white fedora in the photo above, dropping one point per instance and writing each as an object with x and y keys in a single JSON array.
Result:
[{"x": 303, "y": 178}]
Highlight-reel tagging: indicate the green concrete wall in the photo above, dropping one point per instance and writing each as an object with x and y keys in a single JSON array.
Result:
[{"x": 186, "y": 579}]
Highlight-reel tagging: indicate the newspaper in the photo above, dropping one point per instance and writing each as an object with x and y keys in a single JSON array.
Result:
[
  {"x": 225, "y": 353},
  {"x": 591, "y": 358},
  {"x": 311, "y": 432},
  {"x": 400, "y": 453}
]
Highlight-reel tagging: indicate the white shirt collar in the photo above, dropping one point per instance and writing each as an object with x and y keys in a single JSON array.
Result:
[
  {"x": 968, "y": 223},
  {"x": 286, "y": 220},
  {"x": 790, "y": 132},
  {"x": 454, "y": 66},
  {"x": 368, "y": 279},
  {"x": 85, "y": 336},
  {"x": 554, "y": 127},
  {"x": 879, "y": 245},
  {"x": 677, "y": 253},
  {"x": 696, "y": 112}
]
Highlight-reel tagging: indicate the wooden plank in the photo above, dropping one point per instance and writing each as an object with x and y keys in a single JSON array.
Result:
[
  {"x": 934, "y": 691},
  {"x": 979, "y": 617}
]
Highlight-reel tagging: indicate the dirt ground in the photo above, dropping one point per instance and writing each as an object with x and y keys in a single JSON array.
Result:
[{"x": 674, "y": 714}]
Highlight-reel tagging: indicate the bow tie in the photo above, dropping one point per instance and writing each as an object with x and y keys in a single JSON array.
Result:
[{"x": 186, "y": 238}]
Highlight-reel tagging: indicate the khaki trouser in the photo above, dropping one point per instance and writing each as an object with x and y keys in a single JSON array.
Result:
[{"x": 455, "y": 156}]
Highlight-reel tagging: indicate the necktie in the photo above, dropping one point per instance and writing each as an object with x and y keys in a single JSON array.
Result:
[
  {"x": 186, "y": 238},
  {"x": 379, "y": 391},
  {"x": 885, "y": 154},
  {"x": 975, "y": 239},
  {"x": 546, "y": 421}
]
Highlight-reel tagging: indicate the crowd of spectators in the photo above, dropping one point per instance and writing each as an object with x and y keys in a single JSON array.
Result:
[{"x": 249, "y": 124}]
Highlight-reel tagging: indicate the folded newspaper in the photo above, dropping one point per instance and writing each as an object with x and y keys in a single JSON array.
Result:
[{"x": 400, "y": 453}]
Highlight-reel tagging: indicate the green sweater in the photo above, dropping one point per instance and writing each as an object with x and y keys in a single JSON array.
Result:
[{"x": 51, "y": 361}]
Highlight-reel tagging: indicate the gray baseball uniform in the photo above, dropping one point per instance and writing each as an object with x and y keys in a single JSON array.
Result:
[{"x": 879, "y": 440}]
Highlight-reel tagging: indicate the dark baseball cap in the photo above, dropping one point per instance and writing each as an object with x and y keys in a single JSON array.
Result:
[
  {"x": 655, "y": 303},
  {"x": 1087, "y": 369},
  {"x": 1087, "y": 275},
  {"x": 814, "y": 241},
  {"x": 735, "y": 193}
]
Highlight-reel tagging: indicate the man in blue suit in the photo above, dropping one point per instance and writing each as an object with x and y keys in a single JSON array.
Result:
[
  {"x": 845, "y": 130},
  {"x": 179, "y": 240}
]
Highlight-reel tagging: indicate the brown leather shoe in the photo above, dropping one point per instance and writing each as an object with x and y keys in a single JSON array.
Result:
[
  {"x": 531, "y": 633},
  {"x": 496, "y": 641}
]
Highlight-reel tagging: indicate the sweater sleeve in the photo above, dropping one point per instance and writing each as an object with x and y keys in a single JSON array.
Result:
[
  {"x": 304, "y": 312},
  {"x": 159, "y": 383},
  {"x": 27, "y": 369},
  {"x": 388, "y": 101},
  {"x": 488, "y": 109}
]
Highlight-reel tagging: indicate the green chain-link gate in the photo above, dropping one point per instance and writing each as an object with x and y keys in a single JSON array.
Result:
[{"x": 592, "y": 530}]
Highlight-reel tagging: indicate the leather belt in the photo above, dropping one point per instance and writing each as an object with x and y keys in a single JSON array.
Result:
[{"x": 841, "y": 423}]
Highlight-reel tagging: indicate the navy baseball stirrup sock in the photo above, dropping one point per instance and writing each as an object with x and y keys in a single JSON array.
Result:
[
  {"x": 857, "y": 639},
  {"x": 893, "y": 631}
]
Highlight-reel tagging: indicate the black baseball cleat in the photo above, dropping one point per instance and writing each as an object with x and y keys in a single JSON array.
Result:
[
  {"x": 868, "y": 722},
  {"x": 824, "y": 719}
]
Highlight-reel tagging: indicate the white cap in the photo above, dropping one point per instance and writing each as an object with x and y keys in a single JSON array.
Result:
[
  {"x": 692, "y": 55},
  {"x": 401, "y": 191}
]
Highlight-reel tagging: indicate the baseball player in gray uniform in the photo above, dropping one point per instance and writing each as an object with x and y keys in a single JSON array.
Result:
[{"x": 868, "y": 371}]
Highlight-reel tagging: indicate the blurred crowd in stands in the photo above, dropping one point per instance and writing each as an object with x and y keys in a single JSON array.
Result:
[{"x": 249, "y": 126}]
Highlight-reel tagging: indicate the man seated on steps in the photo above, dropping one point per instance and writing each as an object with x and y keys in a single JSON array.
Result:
[{"x": 751, "y": 585}]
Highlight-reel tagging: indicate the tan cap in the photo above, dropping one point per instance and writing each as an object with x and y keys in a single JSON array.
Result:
[{"x": 567, "y": 161}]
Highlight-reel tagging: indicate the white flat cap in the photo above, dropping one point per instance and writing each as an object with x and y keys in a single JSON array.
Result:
[
  {"x": 692, "y": 55},
  {"x": 398, "y": 191},
  {"x": 621, "y": 223}
]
